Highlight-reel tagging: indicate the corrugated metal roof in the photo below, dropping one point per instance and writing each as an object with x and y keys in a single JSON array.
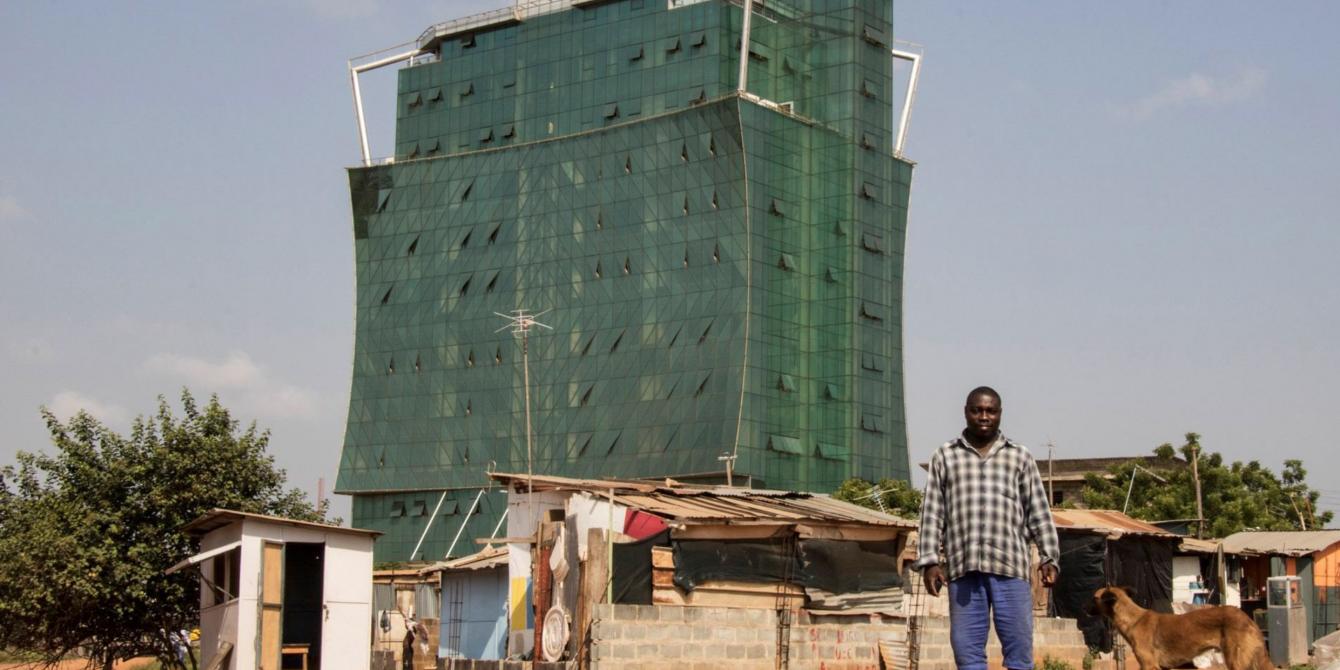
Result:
[
  {"x": 218, "y": 518},
  {"x": 1112, "y": 522},
  {"x": 1191, "y": 545},
  {"x": 1287, "y": 543},
  {"x": 488, "y": 557},
  {"x": 717, "y": 504}
]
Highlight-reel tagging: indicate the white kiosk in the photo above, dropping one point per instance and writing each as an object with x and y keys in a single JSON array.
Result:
[{"x": 275, "y": 590}]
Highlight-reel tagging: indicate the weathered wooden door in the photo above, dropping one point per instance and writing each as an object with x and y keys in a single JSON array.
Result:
[{"x": 272, "y": 606}]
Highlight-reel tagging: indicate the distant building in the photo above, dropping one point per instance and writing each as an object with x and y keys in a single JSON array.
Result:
[
  {"x": 722, "y": 272},
  {"x": 1064, "y": 477}
]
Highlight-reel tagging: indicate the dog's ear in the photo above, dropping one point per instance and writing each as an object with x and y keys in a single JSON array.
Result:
[{"x": 1109, "y": 601}]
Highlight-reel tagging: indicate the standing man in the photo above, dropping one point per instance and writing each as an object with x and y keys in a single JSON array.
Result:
[{"x": 984, "y": 504}]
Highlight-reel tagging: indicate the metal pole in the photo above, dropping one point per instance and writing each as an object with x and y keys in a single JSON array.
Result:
[
  {"x": 1051, "y": 477},
  {"x": 907, "y": 99},
  {"x": 358, "y": 111},
  {"x": 530, "y": 468},
  {"x": 464, "y": 521},
  {"x": 743, "y": 81},
  {"x": 1135, "y": 470},
  {"x": 609, "y": 553},
  {"x": 354, "y": 71},
  {"x": 432, "y": 518},
  {"x": 498, "y": 527}
]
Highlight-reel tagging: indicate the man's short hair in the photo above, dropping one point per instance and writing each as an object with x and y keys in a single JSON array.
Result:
[{"x": 982, "y": 390}]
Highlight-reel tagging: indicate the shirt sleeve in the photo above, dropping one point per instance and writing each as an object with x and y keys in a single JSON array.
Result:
[
  {"x": 1041, "y": 529},
  {"x": 931, "y": 532}
]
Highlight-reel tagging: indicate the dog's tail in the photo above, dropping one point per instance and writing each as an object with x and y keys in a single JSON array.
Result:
[{"x": 1246, "y": 652}]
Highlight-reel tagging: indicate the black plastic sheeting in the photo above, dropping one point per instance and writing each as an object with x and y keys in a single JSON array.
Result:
[
  {"x": 1082, "y": 572},
  {"x": 632, "y": 569},
  {"x": 761, "y": 561},
  {"x": 845, "y": 566},
  {"x": 1144, "y": 567},
  {"x": 1090, "y": 562}
]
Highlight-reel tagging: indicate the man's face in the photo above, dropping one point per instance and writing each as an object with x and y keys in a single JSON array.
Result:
[{"x": 983, "y": 415}]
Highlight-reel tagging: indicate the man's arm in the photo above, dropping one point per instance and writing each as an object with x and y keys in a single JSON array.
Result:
[
  {"x": 931, "y": 532},
  {"x": 1041, "y": 529}
]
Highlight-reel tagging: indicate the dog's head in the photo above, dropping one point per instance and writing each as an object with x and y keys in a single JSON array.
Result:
[{"x": 1104, "y": 601}]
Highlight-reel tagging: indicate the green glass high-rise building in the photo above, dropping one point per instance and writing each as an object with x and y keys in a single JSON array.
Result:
[{"x": 722, "y": 272}]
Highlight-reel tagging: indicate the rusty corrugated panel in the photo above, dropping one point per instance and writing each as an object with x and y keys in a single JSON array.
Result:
[{"x": 1286, "y": 543}]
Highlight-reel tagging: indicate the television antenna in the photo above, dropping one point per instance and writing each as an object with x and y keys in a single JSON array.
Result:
[{"x": 520, "y": 322}]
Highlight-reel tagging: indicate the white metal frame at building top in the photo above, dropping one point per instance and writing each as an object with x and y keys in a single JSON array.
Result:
[{"x": 524, "y": 10}]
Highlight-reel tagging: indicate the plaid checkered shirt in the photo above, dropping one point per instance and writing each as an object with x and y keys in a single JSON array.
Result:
[{"x": 981, "y": 512}]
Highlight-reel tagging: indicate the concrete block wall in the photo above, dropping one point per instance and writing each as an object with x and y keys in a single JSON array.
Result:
[
  {"x": 661, "y": 637},
  {"x": 1059, "y": 639}
]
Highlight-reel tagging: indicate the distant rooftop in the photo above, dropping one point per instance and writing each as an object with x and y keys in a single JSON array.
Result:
[{"x": 1287, "y": 543}]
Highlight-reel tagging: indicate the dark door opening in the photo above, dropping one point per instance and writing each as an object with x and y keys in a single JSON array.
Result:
[{"x": 304, "y": 600}]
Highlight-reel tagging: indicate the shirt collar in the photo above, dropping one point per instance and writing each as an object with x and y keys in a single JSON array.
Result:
[{"x": 996, "y": 444}]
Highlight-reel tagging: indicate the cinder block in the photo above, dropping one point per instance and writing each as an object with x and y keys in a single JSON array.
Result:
[
  {"x": 669, "y": 613},
  {"x": 703, "y": 631},
  {"x": 647, "y": 650},
  {"x": 670, "y": 650},
  {"x": 603, "y": 612},
  {"x": 735, "y": 651},
  {"x": 756, "y": 650}
]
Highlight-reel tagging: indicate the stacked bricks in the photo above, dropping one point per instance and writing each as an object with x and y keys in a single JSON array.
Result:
[
  {"x": 1059, "y": 639},
  {"x": 661, "y": 637}
]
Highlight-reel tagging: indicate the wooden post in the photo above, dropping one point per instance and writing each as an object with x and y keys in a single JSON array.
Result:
[
  {"x": 592, "y": 592},
  {"x": 1195, "y": 475}
]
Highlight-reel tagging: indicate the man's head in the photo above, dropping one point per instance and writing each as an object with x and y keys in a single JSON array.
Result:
[{"x": 982, "y": 413}]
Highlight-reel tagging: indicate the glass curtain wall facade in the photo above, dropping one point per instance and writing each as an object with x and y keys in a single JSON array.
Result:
[{"x": 723, "y": 273}]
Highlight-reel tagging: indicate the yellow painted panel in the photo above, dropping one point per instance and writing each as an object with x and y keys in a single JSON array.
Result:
[{"x": 519, "y": 606}]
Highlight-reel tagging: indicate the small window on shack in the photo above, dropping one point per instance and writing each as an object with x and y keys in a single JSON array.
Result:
[{"x": 222, "y": 582}]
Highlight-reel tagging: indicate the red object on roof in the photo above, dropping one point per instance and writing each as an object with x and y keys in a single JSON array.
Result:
[{"x": 641, "y": 525}]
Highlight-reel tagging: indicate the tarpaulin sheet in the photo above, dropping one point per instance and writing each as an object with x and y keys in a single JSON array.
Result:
[
  {"x": 846, "y": 566},
  {"x": 1144, "y": 567},
  {"x": 1082, "y": 572},
  {"x": 632, "y": 569},
  {"x": 760, "y": 561}
]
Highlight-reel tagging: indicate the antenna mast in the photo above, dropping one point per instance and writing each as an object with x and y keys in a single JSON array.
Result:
[{"x": 520, "y": 322}]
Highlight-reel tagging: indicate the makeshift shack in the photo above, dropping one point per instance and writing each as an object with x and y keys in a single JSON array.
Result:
[
  {"x": 649, "y": 543},
  {"x": 272, "y": 588},
  {"x": 403, "y": 598},
  {"x": 1205, "y": 574},
  {"x": 474, "y": 605},
  {"x": 1101, "y": 547},
  {"x": 1313, "y": 556}
]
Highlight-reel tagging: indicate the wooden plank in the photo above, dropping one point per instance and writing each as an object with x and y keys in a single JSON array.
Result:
[
  {"x": 725, "y": 532},
  {"x": 747, "y": 587},
  {"x": 272, "y": 605},
  {"x": 663, "y": 579},
  {"x": 731, "y": 599},
  {"x": 524, "y": 539},
  {"x": 663, "y": 557},
  {"x": 859, "y": 533},
  {"x": 594, "y": 574}
]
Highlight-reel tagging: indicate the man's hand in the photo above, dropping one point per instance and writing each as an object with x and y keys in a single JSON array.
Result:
[
  {"x": 1049, "y": 573},
  {"x": 933, "y": 577}
]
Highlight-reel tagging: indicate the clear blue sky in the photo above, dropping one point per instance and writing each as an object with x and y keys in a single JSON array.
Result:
[{"x": 1122, "y": 218}]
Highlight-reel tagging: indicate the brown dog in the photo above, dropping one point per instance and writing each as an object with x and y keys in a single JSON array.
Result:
[{"x": 1171, "y": 640}]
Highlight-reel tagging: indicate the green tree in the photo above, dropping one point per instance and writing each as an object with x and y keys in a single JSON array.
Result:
[
  {"x": 1234, "y": 496},
  {"x": 895, "y": 496},
  {"x": 87, "y": 532}
]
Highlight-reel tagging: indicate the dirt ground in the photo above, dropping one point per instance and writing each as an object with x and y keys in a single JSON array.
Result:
[{"x": 133, "y": 664}]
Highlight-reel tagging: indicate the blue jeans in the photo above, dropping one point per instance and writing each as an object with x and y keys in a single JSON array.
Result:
[{"x": 974, "y": 600}]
